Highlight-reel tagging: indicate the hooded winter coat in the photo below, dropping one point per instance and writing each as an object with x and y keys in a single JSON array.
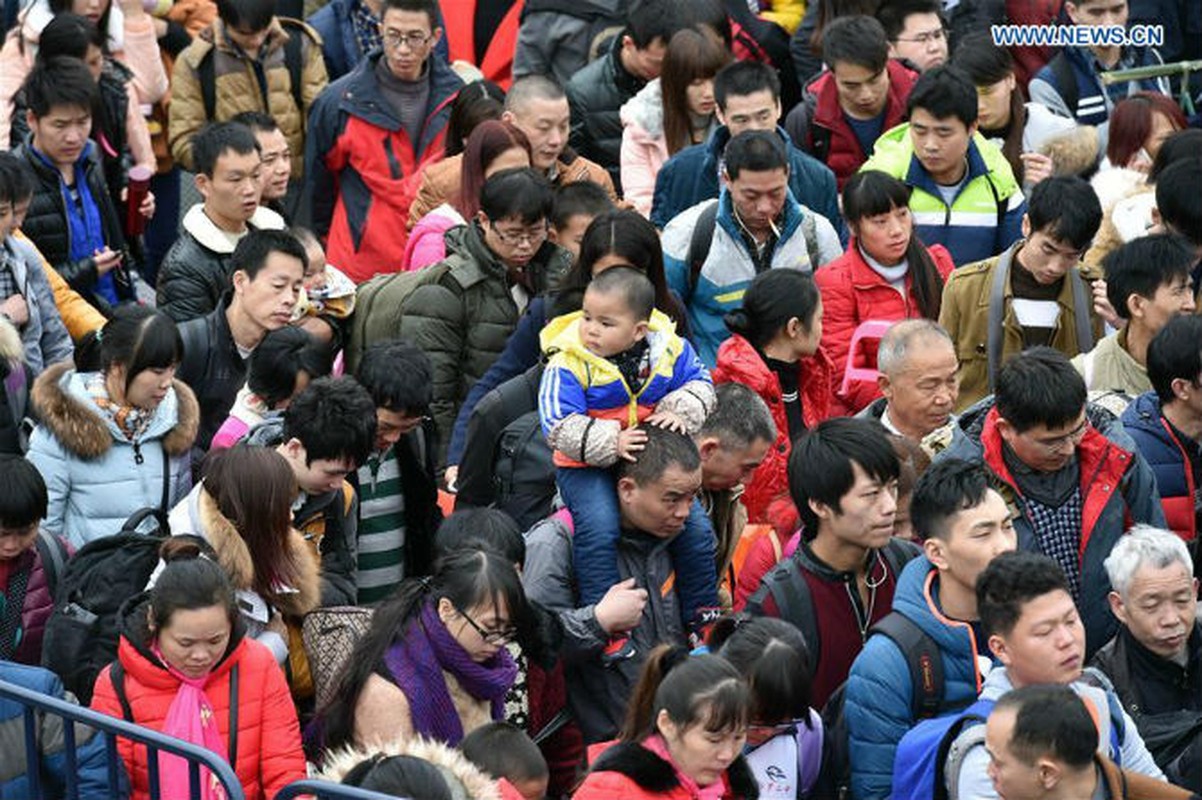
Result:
[
  {"x": 475, "y": 290},
  {"x": 269, "y": 754},
  {"x": 852, "y": 293},
  {"x": 96, "y": 477},
  {"x": 464, "y": 778},
  {"x": 245, "y": 84},
  {"x": 739, "y": 362},
  {"x": 631, "y": 771},
  {"x": 194, "y": 273},
  {"x": 1118, "y": 489},
  {"x": 596, "y": 95},
  {"x": 879, "y": 689}
]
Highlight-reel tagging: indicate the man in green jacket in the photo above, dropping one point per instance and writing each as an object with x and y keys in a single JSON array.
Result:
[{"x": 494, "y": 266}]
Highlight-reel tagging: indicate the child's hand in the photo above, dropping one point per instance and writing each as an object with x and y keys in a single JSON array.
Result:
[
  {"x": 630, "y": 442},
  {"x": 668, "y": 420}
]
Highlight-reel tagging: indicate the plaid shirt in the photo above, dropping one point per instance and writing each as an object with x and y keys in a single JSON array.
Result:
[
  {"x": 367, "y": 28},
  {"x": 8, "y": 277}
]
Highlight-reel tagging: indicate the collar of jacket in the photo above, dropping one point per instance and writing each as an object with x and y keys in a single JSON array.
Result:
[
  {"x": 809, "y": 561},
  {"x": 147, "y": 669},
  {"x": 1007, "y": 260},
  {"x": 1165, "y": 669},
  {"x": 360, "y": 94},
  {"x": 654, "y": 774},
  {"x": 479, "y": 263},
  {"x": 85, "y": 434},
  {"x": 626, "y": 81},
  {"x": 787, "y": 223},
  {"x": 918, "y": 176},
  {"x": 43, "y": 165},
  {"x": 201, "y": 227}
]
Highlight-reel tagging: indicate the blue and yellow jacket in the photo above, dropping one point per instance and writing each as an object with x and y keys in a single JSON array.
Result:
[
  {"x": 584, "y": 402},
  {"x": 985, "y": 216}
]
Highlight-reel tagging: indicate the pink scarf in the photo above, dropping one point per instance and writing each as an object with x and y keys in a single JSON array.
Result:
[
  {"x": 192, "y": 719},
  {"x": 715, "y": 791}
]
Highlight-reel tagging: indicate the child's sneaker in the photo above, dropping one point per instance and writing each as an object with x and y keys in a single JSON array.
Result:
[{"x": 620, "y": 648}]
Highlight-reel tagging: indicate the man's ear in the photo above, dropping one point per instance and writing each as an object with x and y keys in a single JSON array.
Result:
[
  {"x": 885, "y": 387},
  {"x": 640, "y": 330},
  {"x": 1050, "y": 773},
  {"x": 626, "y": 488},
  {"x": 1116, "y": 607},
  {"x": 1026, "y": 227},
  {"x": 707, "y": 446},
  {"x": 997, "y": 646},
  {"x": 933, "y": 548}
]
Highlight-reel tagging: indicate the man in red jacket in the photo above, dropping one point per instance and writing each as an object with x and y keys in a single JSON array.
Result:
[{"x": 849, "y": 106}]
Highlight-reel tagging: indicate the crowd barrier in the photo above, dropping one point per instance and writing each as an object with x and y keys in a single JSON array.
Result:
[{"x": 35, "y": 703}]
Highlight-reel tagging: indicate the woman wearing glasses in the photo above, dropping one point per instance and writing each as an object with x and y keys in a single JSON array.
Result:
[{"x": 433, "y": 661}]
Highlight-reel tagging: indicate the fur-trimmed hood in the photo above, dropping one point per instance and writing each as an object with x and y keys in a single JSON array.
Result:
[
  {"x": 646, "y": 110},
  {"x": 656, "y": 776},
  {"x": 11, "y": 348},
  {"x": 1073, "y": 152},
  {"x": 298, "y": 570},
  {"x": 466, "y": 781},
  {"x": 68, "y": 413}
]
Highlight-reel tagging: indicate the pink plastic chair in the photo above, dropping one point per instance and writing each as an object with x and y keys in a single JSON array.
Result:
[{"x": 871, "y": 330}]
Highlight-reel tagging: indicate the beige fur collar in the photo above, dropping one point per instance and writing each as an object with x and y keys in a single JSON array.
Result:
[
  {"x": 84, "y": 433},
  {"x": 11, "y": 348},
  {"x": 473, "y": 783},
  {"x": 299, "y": 569}
]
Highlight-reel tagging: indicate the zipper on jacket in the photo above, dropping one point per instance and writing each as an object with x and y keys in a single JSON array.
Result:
[
  {"x": 138, "y": 457},
  {"x": 394, "y": 166}
]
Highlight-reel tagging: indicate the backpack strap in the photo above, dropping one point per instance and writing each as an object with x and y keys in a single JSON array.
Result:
[
  {"x": 700, "y": 242},
  {"x": 234, "y": 716},
  {"x": 963, "y": 735},
  {"x": 794, "y": 603},
  {"x": 207, "y": 76},
  {"x": 164, "y": 503},
  {"x": 54, "y": 559},
  {"x": 1066, "y": 82},
  {"x": 294, "y": 60},
  {"x": 996, "y": 318},
  {"x": 117, "y": 677},
  {"x": 924, "y": 660},
  {"x": 1081, "y": 308}
]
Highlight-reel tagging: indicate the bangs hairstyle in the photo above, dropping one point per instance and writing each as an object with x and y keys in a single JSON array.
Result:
[
  {"x": 1142, "y": 266},
  {"x": 629, "y": 236},
  {"x": 137, "y": 338},
  {"x": 467, "y": 578},
  {"x": 1065, "y": 208},
  {"x": 872, "y": 193},
  {"x": 478, "y": 101},
  {"x": 634, "y": 288},
  {"x": 1176, "y": 354},
  {"x": 16, "y": 179},
  {"x": 520, "y": 192},
  {"x": 1131, "y": 123},
  {"x": 772, "y": 655},
  {"x": 23, "y": 495},
  {"x": 254, "y": 489},
  {"x": 820, "y": 466},
  {"x": 216, "y": 139},
  {"x": 858, "y": 40},
  {"x": 61, "y": 82},
  {"x": 698, "y": 690},
  {"x": 486, "y": 143},
  {"x": 1181, "y": 146},
  {"x": 69, "y": 35},
  {"x": 247, "y": 15},
  {"x": 944, "y": 92},
  {"x": 691, "y": 56},
  {"x": 334, "y": 419},
  {"x": 743, "y": 79},
  {"x": 1039, "y": 387}
]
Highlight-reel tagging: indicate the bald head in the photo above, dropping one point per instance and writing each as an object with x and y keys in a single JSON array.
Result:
[
  {"x": 532, "y": 87},
  {"x": 918, "y": 376},
  {"x": 538, "y": 107}
]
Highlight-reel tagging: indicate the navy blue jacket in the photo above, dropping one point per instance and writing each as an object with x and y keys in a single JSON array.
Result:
[
  {"x": 1159, "y": 446},
  {"x": 92, "y": 776},
  {"x": 691, "y": 176}
]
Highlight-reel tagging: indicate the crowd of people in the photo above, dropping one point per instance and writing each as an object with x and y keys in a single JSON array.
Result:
[{"x": 628, "y": 398}]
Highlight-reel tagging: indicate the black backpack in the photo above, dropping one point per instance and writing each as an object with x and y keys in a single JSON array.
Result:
[
  {"x": 523, "y": 471},
  {"x": 82, "y": 632},
  {"x": 702, "y": 238}
]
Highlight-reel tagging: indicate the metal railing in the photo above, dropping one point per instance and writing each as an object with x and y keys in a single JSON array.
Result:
[
  {"x": 154, "y": 741},
  {"x": 1185, "y": 69}
]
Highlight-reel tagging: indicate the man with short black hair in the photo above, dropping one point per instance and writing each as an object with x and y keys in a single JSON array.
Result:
[
  {"x": 916, "y": 31},
  {"x": 748, "y": 97},
  {"x": 267, "y": 270},
  {"x": 964, "y": 193},
  {"x": 248, "y": 59},
  {"x": 371, "y": 133},
  {"x": 275, "y": 156},
  {"x": 861, "y": 95},
  {"x": 842, "y": 577},
  {"x": 597, "y": 92},
  {"x": 1147, "y": 284},
  {"x": 1032, "y": 294},
  {"x": 194, "y": 273},
  {"x": 398, "y": 492},
  {"x": 754, "y": 225},
  {"x": 1070, "y": 473},
  {"x": 72, "y": 219},
  {"x": 654, "y": 497},
  {"x": 494, "y": 266},
  {"x": 325, "y": 434},
  {"x": 963, "y": 524},
  {"x": 1177, "y": 208},
  {"x": 1035, "y": 633},
  {"x": 1166, "y": 423}
]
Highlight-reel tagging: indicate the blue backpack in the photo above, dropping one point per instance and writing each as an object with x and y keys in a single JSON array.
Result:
[{"x": 929, "y": 756}]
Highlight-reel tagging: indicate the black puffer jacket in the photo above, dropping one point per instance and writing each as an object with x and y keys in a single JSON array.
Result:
[
  {"x": 213, "y": 368},
  {"x": 596, "y": 94},
  {"x": 46, "y": 225}
]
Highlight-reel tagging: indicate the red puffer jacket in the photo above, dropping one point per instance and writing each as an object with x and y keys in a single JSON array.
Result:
[
  {"x": 852, "y": 292},
  {"x": 269, "y": 744},
  {"x": 739, "y": 362}
]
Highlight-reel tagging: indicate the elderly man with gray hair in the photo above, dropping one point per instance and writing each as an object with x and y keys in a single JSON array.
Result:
[
  {"x": 919, "y": 382},
  {"x": 1155, "y": 660}
]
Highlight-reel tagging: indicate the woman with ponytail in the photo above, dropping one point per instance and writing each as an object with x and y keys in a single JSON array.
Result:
[
  {"x": 433, "y": 661},
  {"x": 186, "y": 668},
  {"x": 774, "y": 350},
  {"x": 887, "y": 274},
  {"x": 683, "y": 738}
]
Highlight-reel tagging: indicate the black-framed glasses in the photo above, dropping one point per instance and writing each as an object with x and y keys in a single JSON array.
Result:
[
  {"x": 531, "y": 238},
  {"x": 414, "y": 39},
  {"x": 502, "y": 636}
]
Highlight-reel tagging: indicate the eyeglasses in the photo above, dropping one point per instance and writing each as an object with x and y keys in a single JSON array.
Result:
[
  {"x": 1073, "y": 438},
  {"x": 926, "y": 37},
  {"x": 414, "y": 40},
  {"x": 502, "y": 636},
  {"x": 515, "y": 238}
]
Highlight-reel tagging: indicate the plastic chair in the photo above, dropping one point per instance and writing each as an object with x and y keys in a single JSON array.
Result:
[{"x": 871, "y": 330}]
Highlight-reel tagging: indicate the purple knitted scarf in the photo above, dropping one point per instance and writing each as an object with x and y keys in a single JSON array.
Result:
[{"x": 416, "y": 662}]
